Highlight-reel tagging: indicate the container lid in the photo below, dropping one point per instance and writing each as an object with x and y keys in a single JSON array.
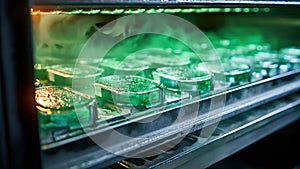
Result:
[
  {"x": 126, "y": 84},
  {"x": 80, "y": 71},
  {"x": 266, "y": 64},
  {"x": 40, "y": 66},
  {"x": 291, "y": 50},
  {"x": 59, "y": 98},
  {"x": 235, "y": 68},
  {"x": 126, "y": 65},
  {"x": 182, "y": 73},
  {"x": 172, "y": 60}
]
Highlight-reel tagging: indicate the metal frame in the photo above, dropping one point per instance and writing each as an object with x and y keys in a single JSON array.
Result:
[
  {"x": 270, "y": 118},
  {"x": 165, "y": 2},
  {"x": 232, "y": 135},
  {"x": 19, "y": 142},
  {"x": 19, "y": 125},
  {"x": 248, "y": 96}
]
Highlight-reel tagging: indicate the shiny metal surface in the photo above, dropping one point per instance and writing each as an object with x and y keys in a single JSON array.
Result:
[{"x": 167, "y": 2}]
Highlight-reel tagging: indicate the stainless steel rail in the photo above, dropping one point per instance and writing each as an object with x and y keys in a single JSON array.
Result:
[{"x": 165, "y": 2}]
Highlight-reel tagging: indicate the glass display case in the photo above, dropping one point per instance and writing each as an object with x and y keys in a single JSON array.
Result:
[{"x": 144, "y": 84}]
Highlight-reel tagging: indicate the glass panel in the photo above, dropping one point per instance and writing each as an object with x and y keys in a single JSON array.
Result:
[{"x": 102, "y": 68}]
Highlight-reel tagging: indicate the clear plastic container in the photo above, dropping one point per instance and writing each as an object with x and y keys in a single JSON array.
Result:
[
  {"x": 237, "y": 74},
  {"x": 161, "y": 57},
  {"x": 184, "y": 79},
  {"x": 269, "y": 64},
  {"x": 63, "y": 75},
  {"x": 292, "y": 50},
  {"x": 128, "y": 91},
  {"x": 292, "y": 60},
  {"x": 126, "y": 67},
  {"x": 267, "y": 68},
  {"x": 62, "y": 107},
  {"x": 248, "y": 60},
  {"x": 295, "y": 63},
  {"x": 158, "y": 61}
]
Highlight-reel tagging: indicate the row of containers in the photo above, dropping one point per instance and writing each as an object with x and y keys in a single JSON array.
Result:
[{"x": 118, "y": 88}]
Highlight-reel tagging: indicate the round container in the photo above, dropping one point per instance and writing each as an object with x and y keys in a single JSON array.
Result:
[
  {"x": 292, "y": 60},
  {"x": 267, "y": 68},
  {"x": 295, "y": 62},
  {"x": 295, "y": 51},
  {"x": 269, "y": 64},
  {"x": 237, "y": 74},
  {"x": 248, "y": 60},
  {"x": 256, "y": 76}
]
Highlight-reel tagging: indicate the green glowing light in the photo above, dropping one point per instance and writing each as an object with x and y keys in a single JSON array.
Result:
[
  {"x": 106, "y": 12},
  {"x": 255, "y": 10},
  {"x": 266, "y": 9},
  {"x": 246, "y": 10},
  {"x": 134, "y": 11},
  {"x": 116, "y": 11},
  {"x": 188, "y": 10},
  {"x": 151, "y": 11},
  {"x": 74, "y": 12},
  {"x": 128, "y": 11},
  {"x": 140, "y": 10},
  {"x": 225, "y": 42},
  {"x": 155, "y": 10},
  {"x": 237, "y": 9},
  {"x": 177, "y": 10},
  {"x": 91, "y": 12},
  {"x": 214, "y": 10},
  {"x": 227, "y": 9},
  {"x": 160, "y": 10},
  {"x": 201, "y": 10}
]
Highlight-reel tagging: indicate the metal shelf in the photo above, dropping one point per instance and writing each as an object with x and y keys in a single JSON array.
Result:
[
  {"x": 81, "y": 151},
  {"x": 237, "y": 133},
  {"x": 232, "y": 135},
  {"x": 165, "y": 2},
  {"x": 237, "y": 99}
]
